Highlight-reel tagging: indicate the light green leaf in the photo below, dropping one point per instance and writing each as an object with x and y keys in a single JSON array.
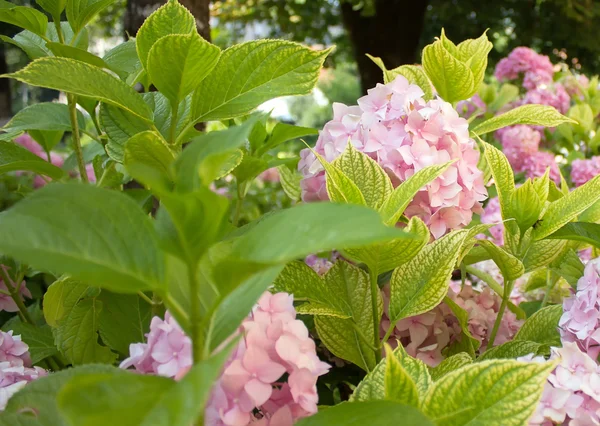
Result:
[
  {"x": 251, "y": 73},
  {"x": 491, "y": 392},
  {"x": 474, "y": 52},
  {"x": 514, "y": 349},
  {"x": 420, "y": 284},
  {"x": 340, "y": 188},
  {"x": 148, "y": 158},
  {"x": 380, "y": 413},
  {"x": 532, "y": 114},
  {"x": 66, "y": 51},
  {"x": 413, "y": 73},
  {"x": 507, "y": 93},
  {"x": 35, "y": 46},
  {"x": 43, "y": 116},
  {"x": 399, "y": 386},
  {"x": 123, "y": 59},
  {"x": 283, "y": 132},
  {"x": 504, "y": 179},
  {"x": 579, "y": 231},
  {"x": 400, "y": 198},
  {"x": 372, "y": 181},
  {"x": 79, "y": 78},
  {"x": 542, "y": 327},
  {"x": 583, "y": 115},
  {"x": 570, "y": 267},
  {"x": 511, "y": 267},
  {"x": 565, "y": 209},
  {"x": 10, "y": 419},
  {"x": 177, "y": 64},
  {"x": 14, "y": 157},
  {"x": 468, "y": 342},
  {"x": 96, "y": 235},
  {"x": 81, "y": 12},
  {"x": 25, "y": 17},
  {"x": 450, "y": 364},
  {"x": 542, "y": 253},
  {"x": 290, "y": 182},
  {"x": 526, "y": 205},
  {"x": 53, "y": 7},
  {"x": 171, "y": 18},
  {"x": 62, "y": 296}
]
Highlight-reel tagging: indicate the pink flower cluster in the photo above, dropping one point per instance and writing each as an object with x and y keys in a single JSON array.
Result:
[
  {"x": 403, "y": 133},
  {"x": 469, "y": 107},
  {"x": 572, "y": 393},
  {"x": 580, "y": 322},
  {"x": 555, "y": 95},
  {"x": 520, "y": 144},
  {"x": 492, "y": 214},
  {"x": 6, "y": 302},
  {"x": 250, "y": 390},
  {"x": 535, "y": 69},
  {"x": 426, "y": 336},
  {"x": 322, "y": 265},
  {"x": 15, "y": 366},
  {"x": 584, "y": 170}
]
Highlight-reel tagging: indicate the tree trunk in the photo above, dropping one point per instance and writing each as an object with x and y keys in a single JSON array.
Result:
[
  {"x": 138, "y": 10},
  {"x": 392, "y": 34}
]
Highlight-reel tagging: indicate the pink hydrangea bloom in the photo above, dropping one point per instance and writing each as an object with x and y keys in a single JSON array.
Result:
[
  {"x": 584, "y": 170},
  {"x": 321, "y": 265},
  {"x": 474, "y": 105},
  {"x": 519, "y": 142},
  {"x": 575, "y": 83},
  {"x": 403, "y": 133},
  {"x": 270, "y": 175},
  {"x": 555, "y": 96},
  {"x": 250, "y": 390},
  {"x": 580, "y": 320},
  {"x": 536, "y": 164},
  {"x": 535, "y": 69},
  {"x": 6, "y": 302},
  {"x": 491, "y": 214}
]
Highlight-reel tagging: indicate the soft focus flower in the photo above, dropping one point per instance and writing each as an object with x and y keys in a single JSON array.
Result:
[
  {"x": 469, "y": 107},
  {"x": 251, "y": 388},
  {"x": 321, "y": 265},
  {"x": 584, "y": 170},
  {"x": 270, "y": 175},
  {"x": 403, "y": 133},
  {"x": 524, "y": 62},
  {"x": 6, "y": 302},
  {"x": 26, "y": 141},
  {"x": 575, "y": 83},
  {"x": 492, "y": 214},
  {"x": 519, "y": 142},
  {"x": 555, "y": 96},
  {"x": 15, "y": 366},
  {"x": 536, "y": 164}
]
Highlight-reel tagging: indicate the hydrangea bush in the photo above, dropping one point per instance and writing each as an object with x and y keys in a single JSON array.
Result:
[{"x": 424, "y": 268}]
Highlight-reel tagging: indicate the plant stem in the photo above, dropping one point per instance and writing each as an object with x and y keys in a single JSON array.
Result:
[
  {"x": 239, "y": 204},
  {"x": 486, "y": 278},
  {"x": 14, "y": 294},
  {"x": 145, "y": 298},
  {"x": 507, "y": 290},
  {"x": 104, "y": 174},
  {"x": 61, "y": 38},
  {"x": 195, "y": 314},
  {"x": 173, "y": 130},
  {"x": 76, "y": 140},
  {"x": 549, "y": 286},
  {"x": 375, "y": 307}
]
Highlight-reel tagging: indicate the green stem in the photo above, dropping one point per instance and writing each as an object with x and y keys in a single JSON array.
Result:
[
  {"x": 104, "y": 174},
  {"x": 13, "y": 290},
  {"x": 549, "y": 287},
  {"x": 174, "y": 306},
  {"x": 61, "y": 38},
  {"x": 375, "y": 307},
  {"x": 173, "y": 130},
  {"x": 486, "y": 278},
  {"x": 195, "y": 313},
  {"x": 76, "y": 140},
  {"x": 507, "y": 290},
  {"x": 239, "y": 204},
  {"x": 145, "y": 298},
  {"x": 364, "y": 338}
]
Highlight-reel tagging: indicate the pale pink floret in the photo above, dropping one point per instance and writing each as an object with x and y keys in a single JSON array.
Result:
[
  {"x": 524, "y": 62},
  {"x": 7, "y": 303},
  {"x": 403, "y": 133},
  {"x": 584, "y": 170},
  {"x": 492, "y": 214}
]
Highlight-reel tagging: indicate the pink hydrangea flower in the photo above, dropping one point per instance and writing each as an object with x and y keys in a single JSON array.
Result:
[
  {"x": 270, "y": 175},
  {"x": 536, "y": 164},
  {"x": 403, "y": 133},
  {"x": 14, "y": 350},
  {"x": 519, "y": 142},
  {"x": 584, "y": 170},
  {"x": 535, "y": 69},
  {"x": 555, "y": 96},
  {"x": 6, "y": 302},
  {"x": 491, "y": 214},
  {"x": 474, "y": 105}
]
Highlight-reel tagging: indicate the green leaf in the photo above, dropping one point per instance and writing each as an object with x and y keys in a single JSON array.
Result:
[
  {"x": 511, "y": 267},
  {"x": 47, "y": 139},
  {"x": 413, "y": 73},
  {"x": 400, "y": 198},
  {"x": 532, "y": 114},
  {"x": 171, "y": 18},
  {"x": 77, "y": 335},
  {"x": 66, "y": 51},
  {"x": 177, "y": 64},
  {"x": 24, "y": 17},
  {"x": 542, "y": 253},
  {"x": 420, "y": 284},
  {"x": 14, "y": 157},
  {"x": 82, "y": 79},
  {"x": 507, "y": 93},
  {"x": 570, "y": 267},
  {"x": 290, "y": 182},
  {"x": 251, "y": 73},
  {"x": 123, "y": 58},
  {"x": 565, "y": 209},
  {"x": 81, "y": 12},
  {"x": 399, "y": 386},
  {"x": 43, "y": 116},
  {"x": 468, "y": 342},
  {"x": 380, "y": 413},
  {"x": 39, "y": 340},
  {"x": 542, "y": 327},
  {"x": 312, "y": 228},
  {"x": 148, "y": 158},
  {"x": 39, "y": 396},
  {"x": 504, "y": 178},
  {"x": 62, "y": 296},
  {"x": 450, "y": 364},
  {"x": 474, "y": 52},
  {"x": 583, "y": 115},
  {"x": 389, "y": 255},
  {"x": 514, "y": 349},
  {"x": 452, "y": 78},
  {"x": 526, "y": 205},
  {"x": 10, "y": 419},
  {"x": 372, "y": 181},
  {"x": 488, "y": 392},
  {"x": 124, "y": 319},
  {"x": 341, "y": 336},
  {"x": 579, "y": 231},
  {"x": 53, "y": 7},
  {"x": 96, "y": 235},
  {"x": 283, "y": 132},
  {"x": 340, "y": 188}
]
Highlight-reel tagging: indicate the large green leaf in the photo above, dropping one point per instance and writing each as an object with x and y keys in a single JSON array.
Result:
[
  {"x": 579, "y": 231},
  {"x": 511, "y": 267},
  {"x": 532, "y": 114},
  {"x": 99, "y": 236},
  {"x": 421, "y": 284},
  {"x": 81, "y": 12},
  {"x": 66, "y": 51},
  {"x": 251, "y": 73},
  {"x": 565, "y": 209},
  {"x": 514, "y": 349},
  {"x": 380, "y": 413},
  {"x": 25, "y": 17},
  {"x": 504, "y": 178},
  {"x": 43, "y": 116},
  {"x": 542, "y": 326},
  {"x": 283, "y": 132},
  {"x": 53, "y": 7},
  {"x": 148, "y": 158},
  {"x": 83, "y": 79},
  {"x": 542, "y": 253},
  {"x": 399, "y": 386},
  {"x": 177, "y": 64},
  {"x": 491, "y": 392},
  {"x": 123, "y": 58},
  {"x": 171, "y": 18},
  {"x": 450, "y": 364},
  {"x": 14, "y": 157}
]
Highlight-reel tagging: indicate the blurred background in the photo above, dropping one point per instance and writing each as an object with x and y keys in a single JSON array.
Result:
[{"x": 394, "y": 30}]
